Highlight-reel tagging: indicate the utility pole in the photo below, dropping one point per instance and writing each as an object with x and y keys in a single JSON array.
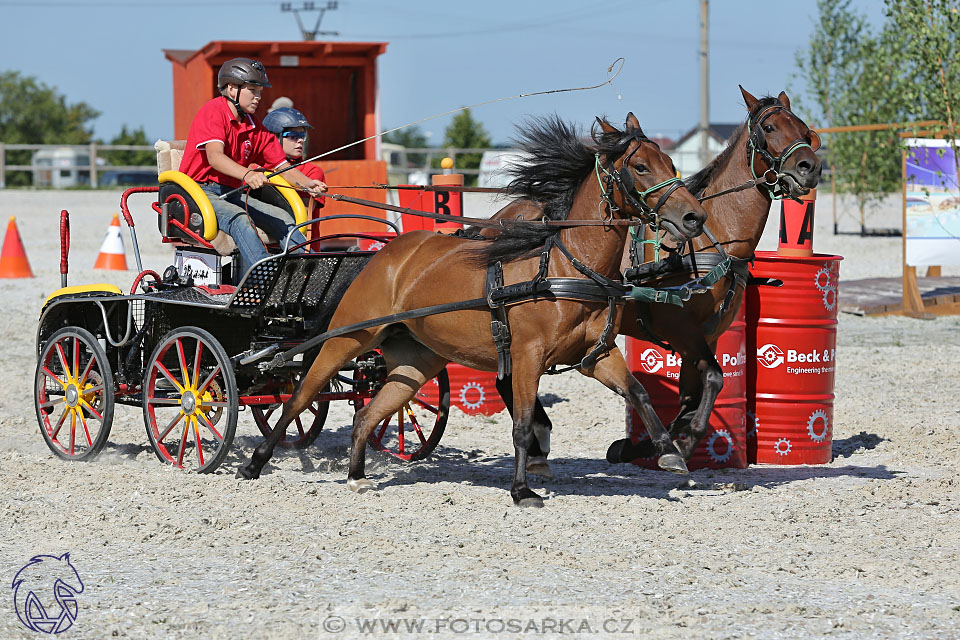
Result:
[
  {"x": 311, "y": 34},
  {"x": 704, "y": 87}
]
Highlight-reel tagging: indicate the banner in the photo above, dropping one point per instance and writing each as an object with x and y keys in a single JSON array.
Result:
[{"x": 932, "y": 206}]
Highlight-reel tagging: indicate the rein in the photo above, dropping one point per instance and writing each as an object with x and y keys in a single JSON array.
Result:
[{"x": 485, "y": 222}]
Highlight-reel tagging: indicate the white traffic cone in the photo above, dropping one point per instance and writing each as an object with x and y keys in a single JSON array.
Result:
[{"x": 112, "y": 256}]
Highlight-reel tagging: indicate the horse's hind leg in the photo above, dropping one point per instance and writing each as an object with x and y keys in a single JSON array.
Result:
[
  {"x": 335, "y": 353},
  {"x": 537, "y": 455},
  {"x": 525, "y": 382},
  {"x": 708, "y": 381},
  {"x": 613, "y": 373},
  {"x": 409, "y": 366}
]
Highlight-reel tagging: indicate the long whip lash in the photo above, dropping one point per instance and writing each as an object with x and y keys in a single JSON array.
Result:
[{"x": 609, "y": 80}]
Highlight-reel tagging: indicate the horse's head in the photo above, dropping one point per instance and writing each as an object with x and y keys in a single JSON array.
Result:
[
  {"x": 780, "y": 146},
  {"x": 646, "y": 181}
]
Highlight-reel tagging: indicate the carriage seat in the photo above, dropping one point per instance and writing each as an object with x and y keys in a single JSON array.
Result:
[{"x": 185, "y": 202}]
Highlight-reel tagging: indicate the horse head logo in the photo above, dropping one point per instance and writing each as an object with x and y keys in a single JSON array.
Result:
[{"x": 45, "y": 593}]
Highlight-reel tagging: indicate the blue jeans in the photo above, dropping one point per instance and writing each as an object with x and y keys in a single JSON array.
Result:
[{"x": 232, "y": 219}]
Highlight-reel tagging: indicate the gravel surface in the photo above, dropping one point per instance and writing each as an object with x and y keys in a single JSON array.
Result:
[{"x": 865, "y": 546}]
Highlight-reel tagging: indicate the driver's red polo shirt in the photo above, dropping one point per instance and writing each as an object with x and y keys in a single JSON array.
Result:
[{"x": 244, "y": 141}]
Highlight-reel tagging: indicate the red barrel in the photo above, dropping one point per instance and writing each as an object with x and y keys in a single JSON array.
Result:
[
  {"x": 792, "y": 340},
  {"x": 473, "y": 392},
  {"x": 658, "y": 370}
]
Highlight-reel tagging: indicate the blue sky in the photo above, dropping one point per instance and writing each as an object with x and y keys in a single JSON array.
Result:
[{"x": 441, "y": 55}]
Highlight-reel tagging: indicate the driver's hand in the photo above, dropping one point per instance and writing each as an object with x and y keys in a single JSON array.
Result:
[
  {"x": 315, "y": 187},
  {"x": 255, "y": 179}
]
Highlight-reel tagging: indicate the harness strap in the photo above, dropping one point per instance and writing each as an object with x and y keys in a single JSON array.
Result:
[
  {"x": 422, "y": 312},
  {"x": 499, "y": 326}
]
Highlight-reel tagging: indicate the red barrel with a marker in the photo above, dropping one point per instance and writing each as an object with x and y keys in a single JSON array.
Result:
[{"x": 791, "y": 344}]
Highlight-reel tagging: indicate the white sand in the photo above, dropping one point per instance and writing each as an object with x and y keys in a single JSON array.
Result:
[{"x": 866, "y": 546}]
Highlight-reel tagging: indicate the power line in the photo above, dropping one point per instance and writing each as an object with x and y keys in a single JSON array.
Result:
[{"x": 311, "y": 34}]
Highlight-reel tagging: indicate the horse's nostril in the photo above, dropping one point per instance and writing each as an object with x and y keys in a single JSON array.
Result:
[
  {"x": 692, "y": 221},
  {"x": 803, "y": 168}
]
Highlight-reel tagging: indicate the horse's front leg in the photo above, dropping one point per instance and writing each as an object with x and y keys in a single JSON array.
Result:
[
  {"x": 613, "y": 373},
  {"x": 537, "y": 455},
  {"x": 333, "y": 355}
]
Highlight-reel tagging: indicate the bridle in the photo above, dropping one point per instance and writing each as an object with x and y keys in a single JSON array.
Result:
[
  {"x": 757, "y": 145},
  {"x": 624, "y": 181}
]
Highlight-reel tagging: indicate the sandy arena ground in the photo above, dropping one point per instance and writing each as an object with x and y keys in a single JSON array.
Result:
[{"x": 864, "y": 547}]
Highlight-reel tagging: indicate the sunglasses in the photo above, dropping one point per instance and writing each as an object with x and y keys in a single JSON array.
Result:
[{"x": 295, "y": 135}]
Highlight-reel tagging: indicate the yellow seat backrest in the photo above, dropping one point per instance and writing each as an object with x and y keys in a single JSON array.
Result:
[{"x": 169, "y": 155}]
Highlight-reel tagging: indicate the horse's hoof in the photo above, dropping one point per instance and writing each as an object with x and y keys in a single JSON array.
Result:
[
  {"x": 539, "y": 466},
  {"x": 535, "y": 503},
  {"x": 673, "y": 462},
  {"x": 526, "y": 498},
  {"x": 615, "y": 452},
  {"x": 246, "y": 472},
  {"x": 362, "y": 485}
]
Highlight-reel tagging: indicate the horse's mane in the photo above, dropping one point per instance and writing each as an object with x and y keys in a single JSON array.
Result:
[
  {"x": 555, "y": 165},
  {"x": 698, "y": 182}
]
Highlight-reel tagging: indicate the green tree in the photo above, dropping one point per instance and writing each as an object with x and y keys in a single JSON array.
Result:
[
  {"x": 930, "y": 51},
  {"x": 130, "y": 158},
  {"x": 33, "y": 113},
  {"x": 847, "y": 85},
  {"x": 834, "y": 47},
  {"x": 906, "y": 72},
  {"x": 466, "y": 133}
]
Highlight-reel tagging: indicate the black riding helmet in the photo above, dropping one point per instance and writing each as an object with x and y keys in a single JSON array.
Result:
[{"x": 278, "y": 120}]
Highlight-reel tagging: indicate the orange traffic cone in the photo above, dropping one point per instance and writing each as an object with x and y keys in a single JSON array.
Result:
[
  {"x": 112, "y": 256},
  {"x": 13, "y": 259}
]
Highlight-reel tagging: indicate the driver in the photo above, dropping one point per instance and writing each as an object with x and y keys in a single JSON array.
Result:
[{"x": 224, "y": 140}]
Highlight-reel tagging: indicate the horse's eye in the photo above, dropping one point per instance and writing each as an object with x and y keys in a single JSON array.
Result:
[
  {"x": 641, "y": 168},
  {"x": 768, "y": 128}
]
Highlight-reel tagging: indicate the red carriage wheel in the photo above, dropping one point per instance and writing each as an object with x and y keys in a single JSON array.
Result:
[
  {"x": 415, "y": 430},
  {"x": 73, "y": 394},
  {"x": 302, "y": 431},
  {"x": 190, "y": 400}
]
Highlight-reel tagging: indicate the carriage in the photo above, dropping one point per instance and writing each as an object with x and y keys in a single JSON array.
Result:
[{"x": 191, "y": 347}]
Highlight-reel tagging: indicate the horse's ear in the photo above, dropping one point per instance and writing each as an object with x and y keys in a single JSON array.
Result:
[
  {"x": 784, "y": 100},
  {"x": 748, "y": 99},
  {"x": 632, "y": 122},
  {"x": 606, "y": 126}
]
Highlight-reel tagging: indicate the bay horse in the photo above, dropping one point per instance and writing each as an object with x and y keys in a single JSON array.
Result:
[
  {"x": 602, "y": 185},
  {"x": 774, "y": 149}
]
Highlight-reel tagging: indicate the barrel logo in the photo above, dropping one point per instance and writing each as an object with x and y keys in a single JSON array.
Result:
[
  {"x": 651, "y": 360},
  {"x": 770, "y": 356}
]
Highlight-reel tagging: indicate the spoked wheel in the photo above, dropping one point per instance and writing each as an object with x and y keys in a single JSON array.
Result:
[
  {"x": 415, "y": 430},
  {"x": 190, "y": 400},
  {"x": 302, "y": 431},
  {"x": 73, "y": 394}
]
